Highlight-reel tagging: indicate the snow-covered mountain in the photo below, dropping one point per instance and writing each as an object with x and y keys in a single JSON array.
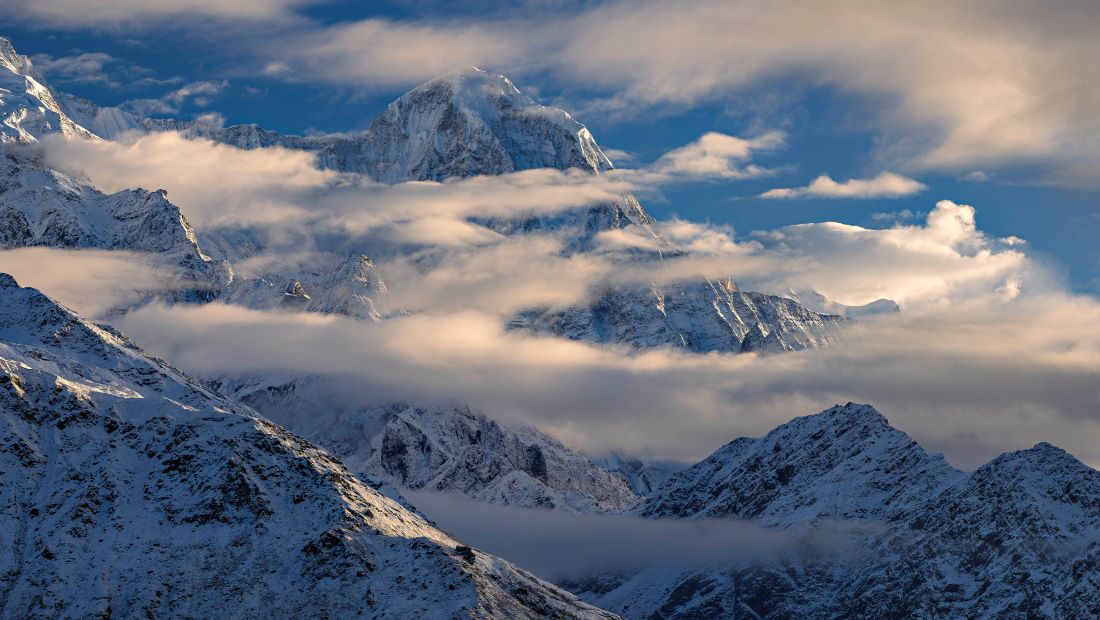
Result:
[
  {"x": 843, "y": 463},
  {"x": 643, "y": 475},
  {"x": 129, "y": 490},
  {"x": 891, "y": 530},
  {"x": 477, "y": 123},
  {"x": 42, "y": 207},
  {"x": 699, "y": 316},
  {"x": 29, "y": 108},
  {"x": 442, "y": 447}
]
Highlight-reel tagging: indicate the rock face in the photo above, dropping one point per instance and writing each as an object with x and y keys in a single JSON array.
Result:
[
  {"x": 443, "y": 447},
  {"x": 29, "y": 109},
  {"x": 465, "y": 124},
  {"x": 129, "y": 490},
  {"x": 844, "y": 463},
  {"x": 43, "y": 207},
  {"x": 1019, "y": 537},
  {"x": 700, "y": 316},
  {"x": 644, "y": 476}
]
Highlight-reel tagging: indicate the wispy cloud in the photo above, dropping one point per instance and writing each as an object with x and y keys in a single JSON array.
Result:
[
  {"x": 97, "y": 68},
  {"x": 199, "y": 94},
  {"x": 885, "y": 185},
  {"x": 121, "y": 13}
]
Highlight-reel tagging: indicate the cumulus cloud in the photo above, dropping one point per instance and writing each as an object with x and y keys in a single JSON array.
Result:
[
  {"x": 716, "y": 155},
  {"x": 946, "y": 259},
  {"x": 885, "y": 185}
]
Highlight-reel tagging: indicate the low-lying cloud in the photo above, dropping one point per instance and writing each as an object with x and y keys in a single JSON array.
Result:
[
  {"x": 555, "y": 545},
  {"x": 92, "y": 282},
  {"x": 971, "y": 380}
]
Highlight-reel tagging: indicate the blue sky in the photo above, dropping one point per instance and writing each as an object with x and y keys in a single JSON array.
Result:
[{"x": 832, "y": 126}]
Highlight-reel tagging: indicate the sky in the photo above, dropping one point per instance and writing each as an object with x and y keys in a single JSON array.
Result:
[
  {"x": 940, "y": 154},
  {"x": 983, "y": 104}
]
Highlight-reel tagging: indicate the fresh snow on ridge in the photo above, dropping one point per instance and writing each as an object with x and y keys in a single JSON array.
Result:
[
  {"x": 112, "y": 455},
  {"x": 888, "y": 530}
]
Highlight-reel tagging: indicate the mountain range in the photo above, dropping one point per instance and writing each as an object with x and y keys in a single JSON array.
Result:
[
  {"x": 130, "y": 488},
  {"x": 886, "y": 530}
]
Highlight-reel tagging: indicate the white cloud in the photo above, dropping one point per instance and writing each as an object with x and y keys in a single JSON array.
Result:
[
  {"x": 115, "y": 13},
  {"x": 972, "y": 379},
  {"x": 946, "y": 259},
  {"x": 92, "y": 282},
  {"x": 196, "y": 93},
  {"x": 885, "y": 185},
  {"x": 213, "y": 184},
  {"x": 717, "y": 155},
  {"x": 378, "y": 52}
]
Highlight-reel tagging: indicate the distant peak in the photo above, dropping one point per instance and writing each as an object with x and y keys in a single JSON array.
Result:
[{"x": 6, "y": 280}]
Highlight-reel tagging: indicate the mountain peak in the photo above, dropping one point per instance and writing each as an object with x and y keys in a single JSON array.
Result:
[
  {"x": 8, "y": 281},
  {"x": 844, "y": 462},
  {"x": 473, "y": 122}
]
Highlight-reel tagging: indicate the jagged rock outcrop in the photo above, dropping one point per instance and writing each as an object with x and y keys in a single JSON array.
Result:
[
  {"x": 443, "y": 447},
  {"x": 881, "y": 528}
]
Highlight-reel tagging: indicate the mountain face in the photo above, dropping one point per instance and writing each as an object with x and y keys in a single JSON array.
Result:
[
  {"x": 42, "y": 207},
  {"x": 892, "y": 531},
  {"x": 465, "y": 124},
  {"x": 29, "y": 109},
  {"x": 442, "y": 447},
  {"x": 700, "y": 316},
  {"x": 843, "y": 463},
  {"x": 644, "y": 476},
  {"x": 129, "y": 490}
]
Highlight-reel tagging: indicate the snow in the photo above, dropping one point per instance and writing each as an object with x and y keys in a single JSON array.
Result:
[
  {"x": 888, "y": 530},
  {"x": 182, "y": 503}
]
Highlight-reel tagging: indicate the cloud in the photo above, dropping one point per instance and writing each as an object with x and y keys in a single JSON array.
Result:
[
  {"x": 971, "y": 380},
  {"x": 219, "y": 186},
  {"x": 946, "y": 259},
  {"x": 92, "y": 282},
  {"x": 96, "y": 68},
  {"x": 114, "y": 13},
  {"x": 199, "y": 94},
  {"x": 946, "y": 86},
  {"x": 555, "y": 545},
  {"x": 378, "y": 52},
  {"x": 716, "y": 155},
  {"x": 698, "y": 239},
  {"x": 214, "y": 184},
  {"x": 885, "y": 185}
]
